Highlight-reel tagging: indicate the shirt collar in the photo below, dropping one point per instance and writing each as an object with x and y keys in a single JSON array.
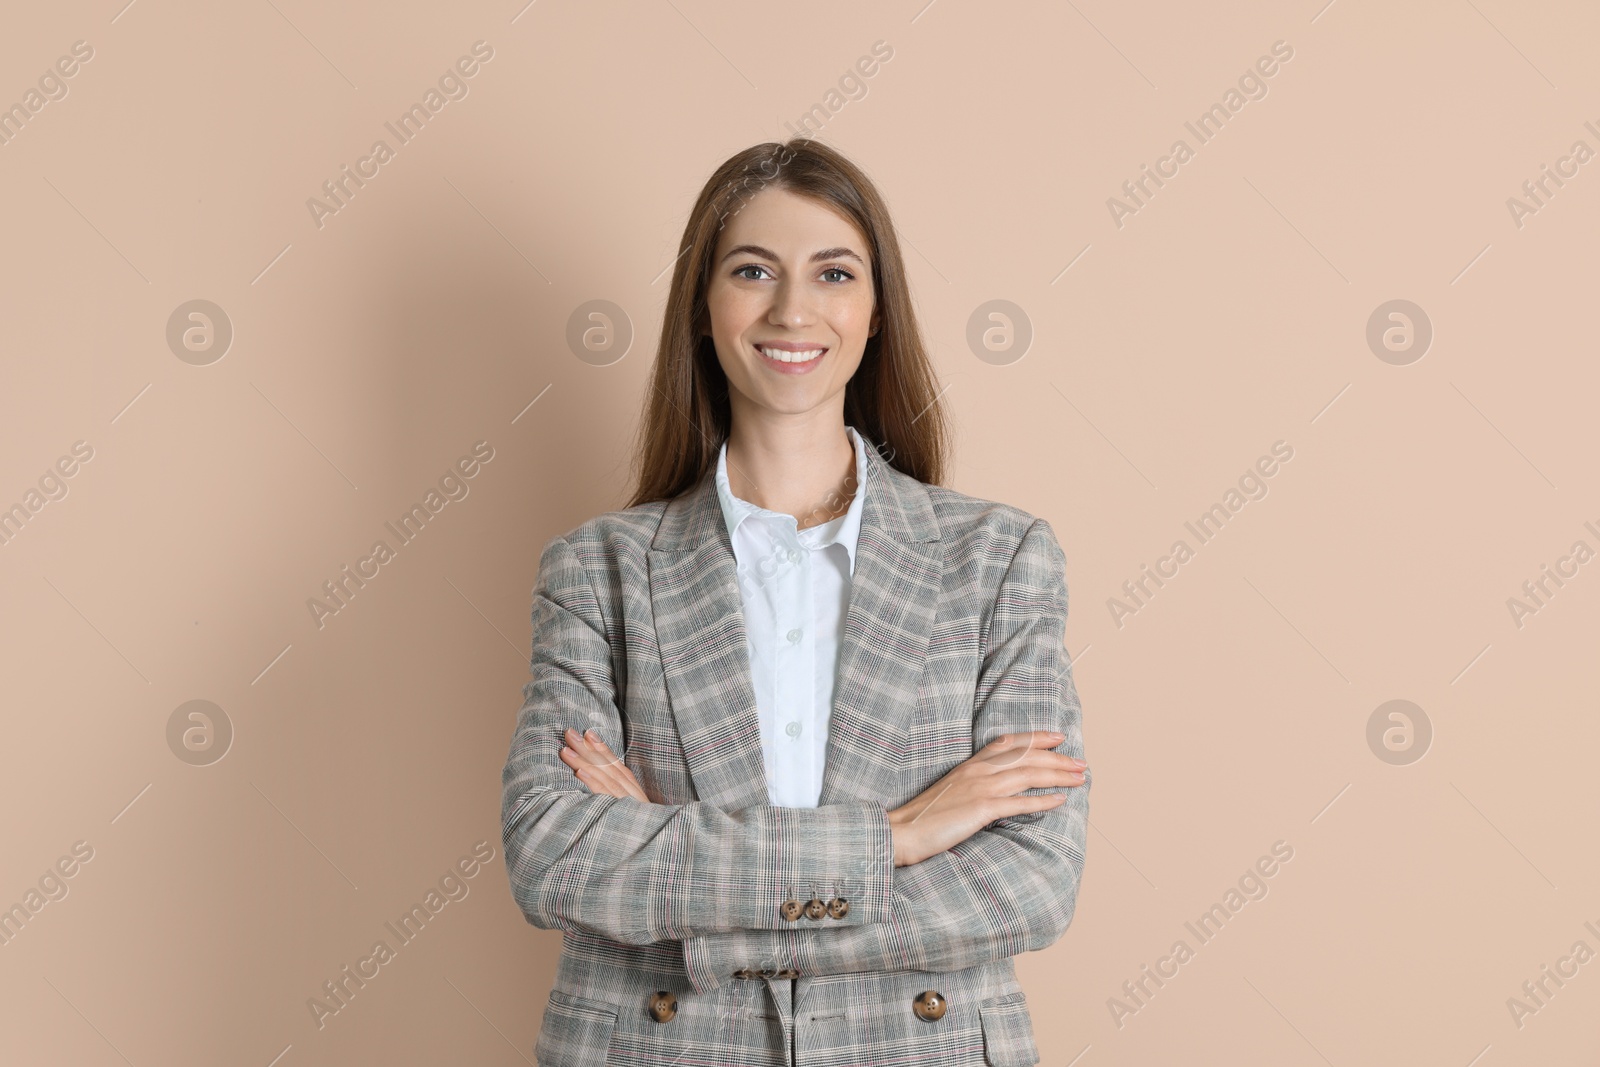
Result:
[{"x": 845, "y": 529}]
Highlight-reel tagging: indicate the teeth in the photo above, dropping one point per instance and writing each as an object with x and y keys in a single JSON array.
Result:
[{"x": 789, "y": 357}]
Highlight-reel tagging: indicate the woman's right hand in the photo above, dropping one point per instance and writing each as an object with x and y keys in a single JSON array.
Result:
[{"x": 981, "y": 789}]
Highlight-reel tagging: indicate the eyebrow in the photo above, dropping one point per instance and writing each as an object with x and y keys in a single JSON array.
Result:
[{"x": 816, "y": 257}]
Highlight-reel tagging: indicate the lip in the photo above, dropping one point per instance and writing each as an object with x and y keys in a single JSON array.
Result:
[{"x": 791, "y": 346}]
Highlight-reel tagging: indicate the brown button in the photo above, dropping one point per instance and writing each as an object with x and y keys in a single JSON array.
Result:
[
  {"x": 929, "y": 1005},
  {"x": 787, "y": 972},
  {"x": 744, "y": 972},
  {"x": 815, "y": 909},
  {"x": 663, "y": 1006},
  {"x": 838, "y": 907},
  {"x": 790, "y": 910}
]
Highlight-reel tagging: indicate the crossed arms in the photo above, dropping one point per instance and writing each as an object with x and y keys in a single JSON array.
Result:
[{"x": 638, "y": 873}]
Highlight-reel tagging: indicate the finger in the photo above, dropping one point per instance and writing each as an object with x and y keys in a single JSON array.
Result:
[
  {"x": 1006, "y": 807},
  {"x": 593, "y": 754},
  {"x": 614, "y": 765},
  {"x": 606, "y": 776},
  {"x": 603, "y": 753},
  {"x": 1047, "y": 757},
  {"x": 595, "y": 783},
  {"x": 584, "y": 747},
  {"x": 1007, "y": 748},
  {"x": 603, "y": 770},
  {"x": 1028, "y": 739},
  {"x": 585, "y": 771},
  {"x": 1014, "y": 781},
  {"x": 623, "y": 782},
  {"x": 1040, "y": 802},
  {"x": 603, "y": 780},
  {"x": 1020, "y": 756},
  {"x": 581, "y": 762},
  {"x": 576, "y": 760},
  {"x": 592, "y": 766}
]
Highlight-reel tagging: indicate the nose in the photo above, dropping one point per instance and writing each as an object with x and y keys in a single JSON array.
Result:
[{"x": 789, "y": 305}]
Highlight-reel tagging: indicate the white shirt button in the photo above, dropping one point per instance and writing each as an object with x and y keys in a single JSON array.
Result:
[
  {"x": 794, "y": 555},
  {"x": 794, "y": 636},
  {"x": 793, "y": 729}
]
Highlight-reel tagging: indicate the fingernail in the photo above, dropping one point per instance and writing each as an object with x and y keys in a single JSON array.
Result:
[{"x": 591, "y": 735}]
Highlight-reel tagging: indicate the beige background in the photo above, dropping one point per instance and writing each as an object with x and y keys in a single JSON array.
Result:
[{"x": 368, "y": 354}]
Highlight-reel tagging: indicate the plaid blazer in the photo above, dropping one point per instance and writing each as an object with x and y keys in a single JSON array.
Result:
[{"x": 678, "y": 946}]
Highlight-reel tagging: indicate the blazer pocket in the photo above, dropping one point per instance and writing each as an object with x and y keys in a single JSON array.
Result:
[
  {"x": 1008, "y": 1031},
  {"x": 576, "y": 1032}
]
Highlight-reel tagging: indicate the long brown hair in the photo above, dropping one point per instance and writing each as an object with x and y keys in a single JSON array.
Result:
[{"x": 892, "y": 398}]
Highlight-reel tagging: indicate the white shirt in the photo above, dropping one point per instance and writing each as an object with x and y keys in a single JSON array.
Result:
[{"x": 795, "y": 588}]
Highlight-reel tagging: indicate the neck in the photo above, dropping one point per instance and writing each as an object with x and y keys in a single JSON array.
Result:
[{"x": 802, "y": 469}]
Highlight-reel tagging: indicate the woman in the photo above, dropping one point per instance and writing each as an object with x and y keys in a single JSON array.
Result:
[{"x": 799, "y": 767}]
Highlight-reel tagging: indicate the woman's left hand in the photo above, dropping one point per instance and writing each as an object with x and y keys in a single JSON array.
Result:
[{"x": 598, "y": 768}]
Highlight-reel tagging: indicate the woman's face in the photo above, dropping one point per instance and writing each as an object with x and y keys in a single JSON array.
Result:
[{"x": 789, "y": 277}]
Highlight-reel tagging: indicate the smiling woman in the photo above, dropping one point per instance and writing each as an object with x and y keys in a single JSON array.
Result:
[
  {"x": 799, "y": 715},
  {"x": 794, "y": 223}
]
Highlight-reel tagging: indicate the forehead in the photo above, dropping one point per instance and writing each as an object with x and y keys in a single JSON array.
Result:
[{"x": 790, "y": 225}]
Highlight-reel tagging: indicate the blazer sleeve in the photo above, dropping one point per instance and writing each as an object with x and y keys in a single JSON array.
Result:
[
  {"x": 639, "y": 873},
  {"x": 1009, "y": 888}
]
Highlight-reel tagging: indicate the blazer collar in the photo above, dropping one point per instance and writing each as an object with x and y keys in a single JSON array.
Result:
[{"x": 700, "y": 629}]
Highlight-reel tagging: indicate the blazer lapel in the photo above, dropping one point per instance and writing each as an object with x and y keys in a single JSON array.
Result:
[
  {"x": 700, "y": 628},
  {"x": 699, "y": 618},
  {"x": 894, "y": 594}
]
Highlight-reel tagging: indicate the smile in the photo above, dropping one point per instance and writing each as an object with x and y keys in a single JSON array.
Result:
[{"x": 783, "y": 360}]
